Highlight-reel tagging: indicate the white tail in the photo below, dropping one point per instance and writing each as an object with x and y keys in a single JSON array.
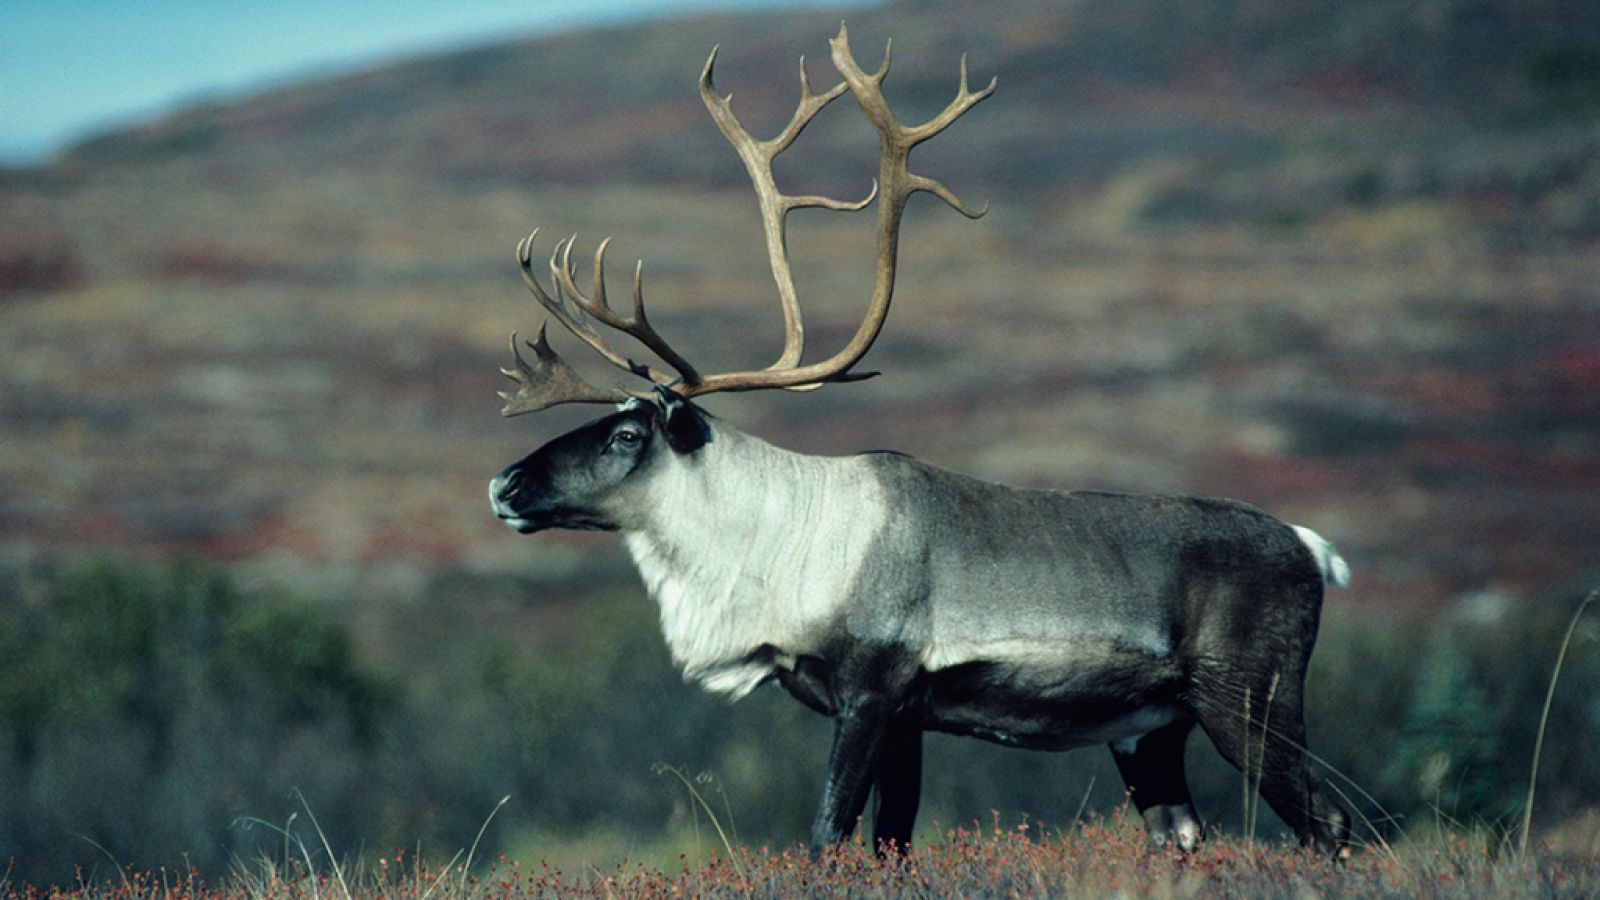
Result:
[{"x": 1335, "y": 570}]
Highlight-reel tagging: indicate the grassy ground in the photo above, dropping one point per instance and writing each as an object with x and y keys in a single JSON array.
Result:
[{"x": 1099, "y": 857}]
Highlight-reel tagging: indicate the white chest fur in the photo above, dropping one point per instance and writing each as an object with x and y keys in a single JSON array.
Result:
[{"x": 749, "y": 546}]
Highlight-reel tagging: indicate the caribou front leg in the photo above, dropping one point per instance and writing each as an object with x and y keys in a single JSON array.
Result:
[
  {"x": 858, "y": 736},
  {"x": 899, "y": 784}
]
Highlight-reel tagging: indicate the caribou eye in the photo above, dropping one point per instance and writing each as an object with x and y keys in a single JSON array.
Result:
[{"x": 627, "y": 439}]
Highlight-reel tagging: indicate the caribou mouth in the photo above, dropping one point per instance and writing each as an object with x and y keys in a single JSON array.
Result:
[{"x": 522, "y": 526}]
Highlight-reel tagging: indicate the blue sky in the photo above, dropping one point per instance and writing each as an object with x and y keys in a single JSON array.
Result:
[{"x": 70, "y": 68}]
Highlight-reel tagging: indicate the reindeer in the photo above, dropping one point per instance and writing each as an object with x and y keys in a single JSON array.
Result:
[{"x": 897, "y": 597}]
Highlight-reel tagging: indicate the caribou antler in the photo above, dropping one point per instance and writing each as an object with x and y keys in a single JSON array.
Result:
[
  {"x": 552, "y": 381},
  {"x": 757, "y": 157}
]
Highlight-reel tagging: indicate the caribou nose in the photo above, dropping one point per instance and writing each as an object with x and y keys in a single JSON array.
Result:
[{"x": 502, "y": 488}]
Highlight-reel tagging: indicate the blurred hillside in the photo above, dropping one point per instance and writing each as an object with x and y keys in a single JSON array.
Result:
[{"x": 1339, "y": 259}]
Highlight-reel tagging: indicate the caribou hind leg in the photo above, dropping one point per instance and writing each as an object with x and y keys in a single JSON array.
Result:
[
  {"x": 1258, "y": 725},
  {"x": 1152, "y": 770}
]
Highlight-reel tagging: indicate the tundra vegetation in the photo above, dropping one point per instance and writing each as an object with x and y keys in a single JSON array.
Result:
[
  {"x": 1336, "y": 259},
  {"x": 221, "y": 691}
]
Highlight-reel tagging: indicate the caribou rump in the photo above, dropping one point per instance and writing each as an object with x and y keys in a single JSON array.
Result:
[{"x": 897, "y": 597}]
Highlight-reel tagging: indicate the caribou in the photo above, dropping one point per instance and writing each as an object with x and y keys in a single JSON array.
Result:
[{"x": 897, "y": 597}]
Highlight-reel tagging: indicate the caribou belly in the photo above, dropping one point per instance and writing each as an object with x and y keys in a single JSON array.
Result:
[{"x": 1110, "y": 697}]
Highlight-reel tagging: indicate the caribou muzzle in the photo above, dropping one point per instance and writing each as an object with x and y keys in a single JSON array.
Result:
[{"x": 517, "y": 502}]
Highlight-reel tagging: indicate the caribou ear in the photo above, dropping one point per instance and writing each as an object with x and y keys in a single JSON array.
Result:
[{"x": 683, "y": 424}]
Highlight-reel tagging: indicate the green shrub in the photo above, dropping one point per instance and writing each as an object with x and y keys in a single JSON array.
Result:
[{"x": 145, "y": 707}]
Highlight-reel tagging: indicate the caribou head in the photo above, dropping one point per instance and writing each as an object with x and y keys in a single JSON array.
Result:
[{"x": 594, "y": 477}]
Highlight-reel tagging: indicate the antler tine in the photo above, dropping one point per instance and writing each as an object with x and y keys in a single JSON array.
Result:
[
  {"x": 557, "y": 306},
  {"x": 758, "y": 156},
  {"x": 883, "y": 67},
  {"x": 814, "y": 201},
  {"x": 636, "y": 326},
  {"x": 964, "y": 100},
  {"x": 600, "y": 273},
  {"x": 810, "y": 104}
]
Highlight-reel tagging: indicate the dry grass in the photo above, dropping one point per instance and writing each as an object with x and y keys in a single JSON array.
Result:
[{"x": 1097, "y": 857}]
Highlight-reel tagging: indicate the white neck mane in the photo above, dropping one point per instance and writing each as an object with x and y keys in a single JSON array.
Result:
[{"x": 745, "y": 545}]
